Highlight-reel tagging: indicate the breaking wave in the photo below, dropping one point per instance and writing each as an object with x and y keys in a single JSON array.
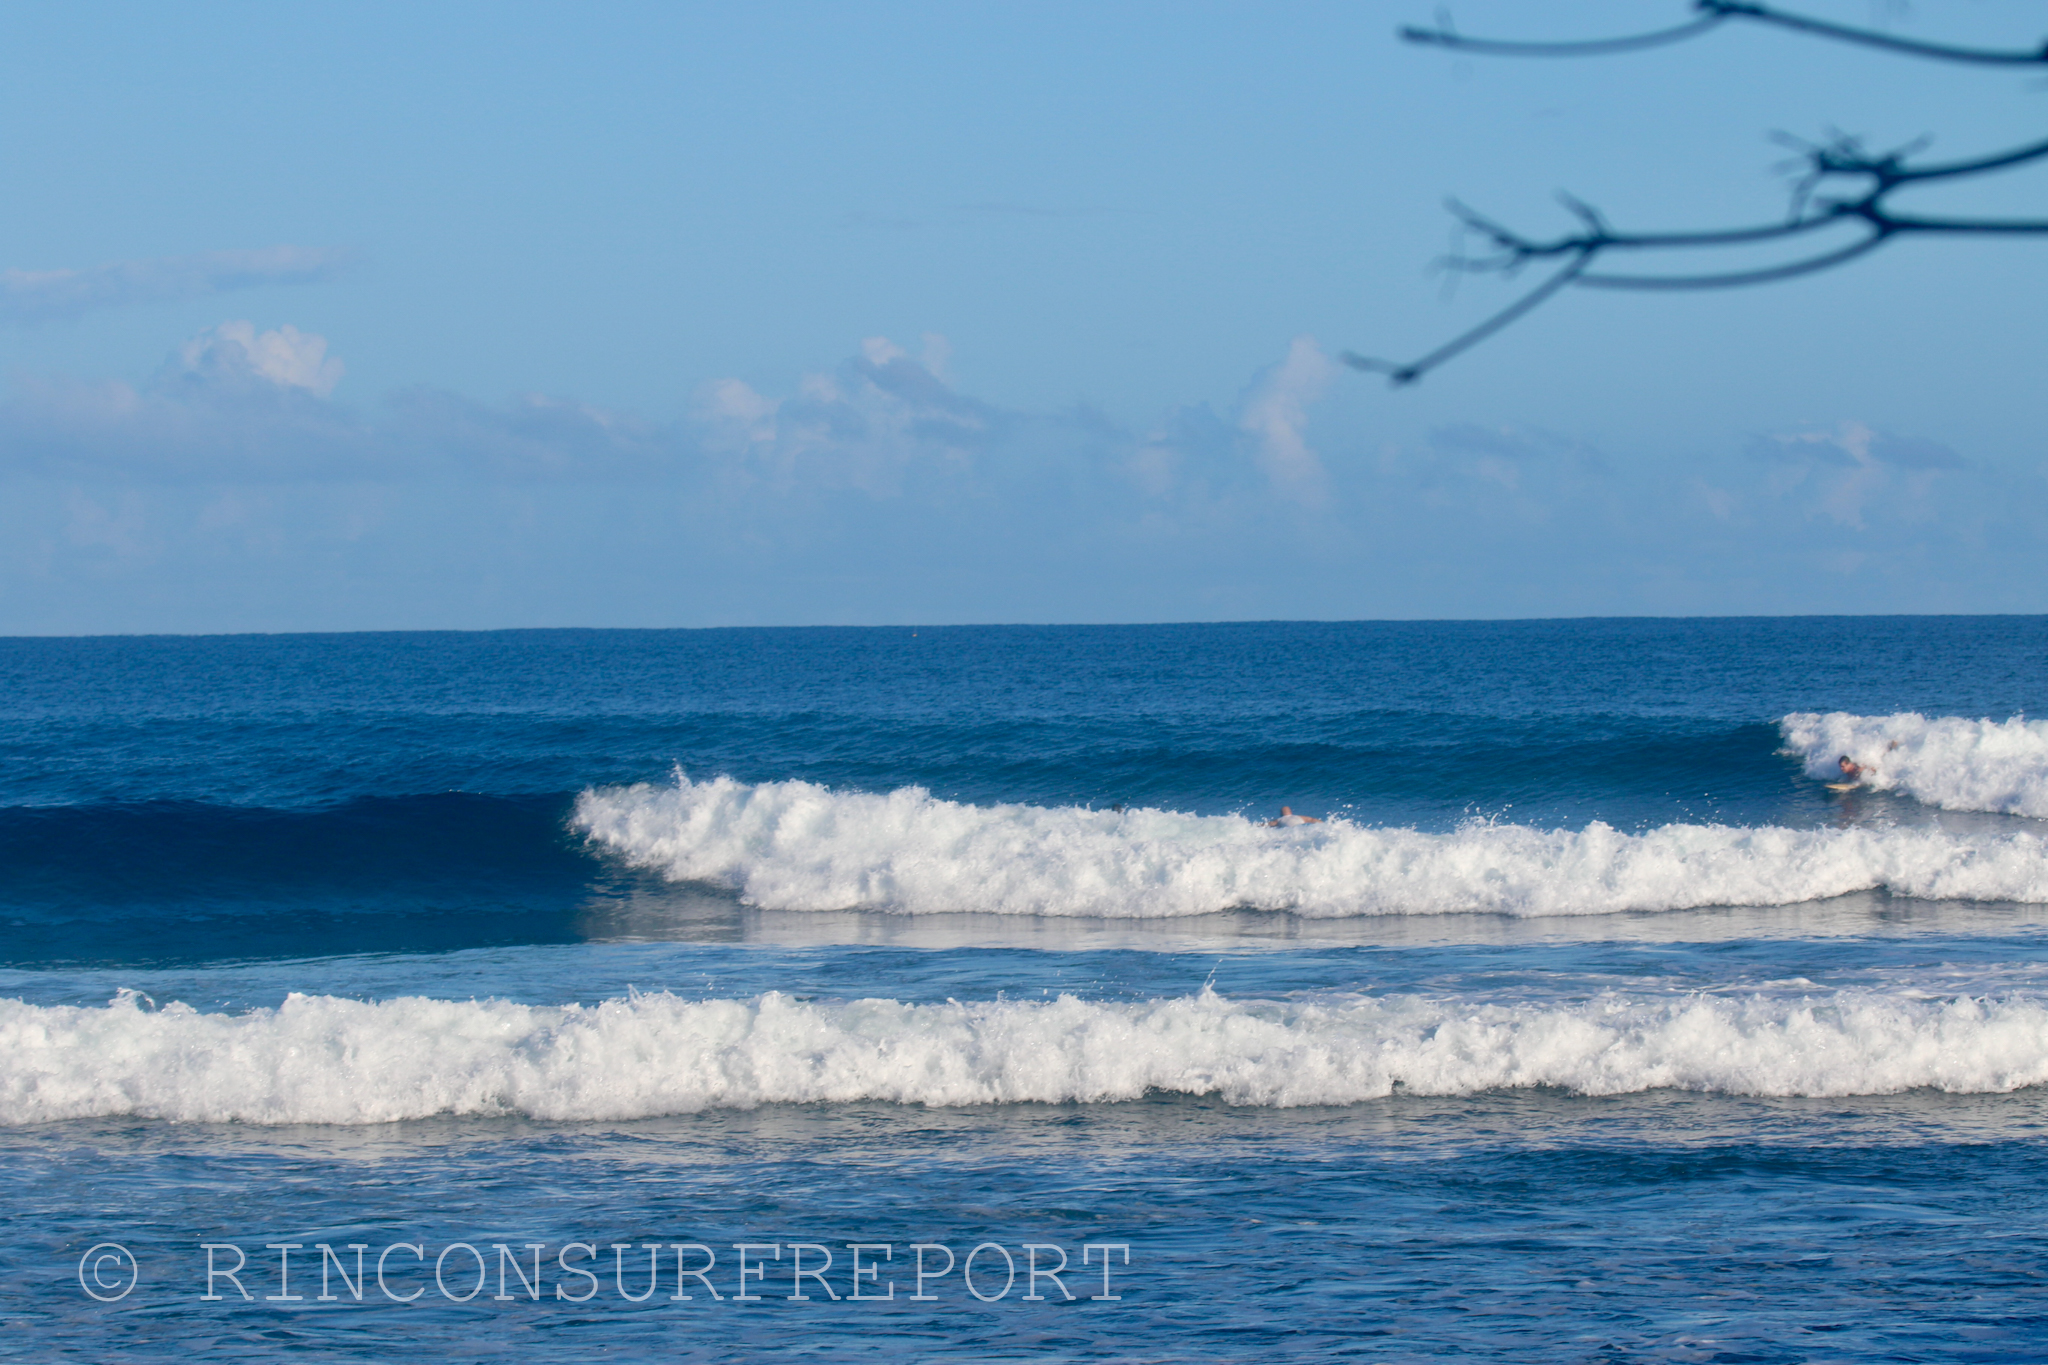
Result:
[
  {"x": 798, "y": 846},
  {"x": 320, "y": 1059},
  {"x": 1955, "y": 764}
]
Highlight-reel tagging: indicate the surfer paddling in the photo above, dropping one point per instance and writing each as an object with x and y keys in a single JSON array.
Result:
[
  {"x": 1853, "y": 773},
  {"x": 1288, "y": 817}
]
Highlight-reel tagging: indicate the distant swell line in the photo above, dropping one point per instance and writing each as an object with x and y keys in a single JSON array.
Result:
[
  {"x": 319, "y": 1059},
  {"x": 798, "y": 846},
  {"x": 1950, "y": 763}
]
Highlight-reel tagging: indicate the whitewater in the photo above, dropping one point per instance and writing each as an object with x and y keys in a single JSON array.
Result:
[
  {"x": 799, "y": 846},
  {"x": 1948, "y": 762},
  {"x": 320, "y": 1059}
]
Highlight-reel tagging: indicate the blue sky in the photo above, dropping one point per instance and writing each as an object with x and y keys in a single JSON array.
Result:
[{"x": 325, "y": 317}]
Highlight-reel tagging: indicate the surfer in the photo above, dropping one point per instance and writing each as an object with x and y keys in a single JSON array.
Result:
[
  {"x": 1853, "y": 772},
  {"x": 1288, "y": 817}
]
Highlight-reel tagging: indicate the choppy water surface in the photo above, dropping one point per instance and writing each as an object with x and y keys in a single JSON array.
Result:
[{"x": 1588, "y": 1023}]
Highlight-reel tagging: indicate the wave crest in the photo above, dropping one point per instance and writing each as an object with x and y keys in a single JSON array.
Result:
[
  {"x": 798, "y": 846},
  {"x": 1986, "y": 765},
  {"x": 319, "y": 1059}
]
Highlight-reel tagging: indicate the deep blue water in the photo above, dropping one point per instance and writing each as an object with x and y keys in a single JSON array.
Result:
[{"x": 1554, "y": 1095}]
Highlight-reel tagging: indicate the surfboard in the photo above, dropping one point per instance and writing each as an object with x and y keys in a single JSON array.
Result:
[{"x": 1843, "y": 786}]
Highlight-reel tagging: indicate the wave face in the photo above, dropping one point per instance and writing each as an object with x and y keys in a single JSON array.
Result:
[
  {"x": 179, "y": 881},
  {"x": 319, "y": 1059},
  {"x": 798, "y": 846},
  {"x": 1985, "y": 765}
]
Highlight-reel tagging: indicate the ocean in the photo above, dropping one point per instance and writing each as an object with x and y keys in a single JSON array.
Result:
[{"x": 945, "y": 994}]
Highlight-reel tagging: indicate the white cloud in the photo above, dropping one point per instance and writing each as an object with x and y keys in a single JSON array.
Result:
[
  {"x": 734, "y": 400},
  {"x": 231, "y": 403},
  {"x": 1276, "y": 415},
  {"x": 1855, "y": 469},
  {"x": 880, "y": 351},
  {"x": 286, "y": 357},
  {"x": 42, "y": 295},
  {"x": 881, "y": 420}
]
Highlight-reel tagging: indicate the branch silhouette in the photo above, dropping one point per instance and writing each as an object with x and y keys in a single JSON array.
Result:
[{"x": 1866, "y": 180}]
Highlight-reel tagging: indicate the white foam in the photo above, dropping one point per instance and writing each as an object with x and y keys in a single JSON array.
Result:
[
  {"x": 796, "y": 846},
  {"x": 1951, "y": 763},
  {"x": 319, "y": 1059}
]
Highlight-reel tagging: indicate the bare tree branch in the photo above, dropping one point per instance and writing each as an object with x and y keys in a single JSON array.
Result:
[
  {"x": 1734, "y": 279},
  {"x": 2010, "y": 226},
  {"x": 1712, "y": 14},
  {"x": 1997, "y": 162},
  {"x": 1841, "y": 158},
  {"x": 1443, "y": 37},
  {"x": 1732, "y": 9},
  {"x": 1515, "y": 249}
]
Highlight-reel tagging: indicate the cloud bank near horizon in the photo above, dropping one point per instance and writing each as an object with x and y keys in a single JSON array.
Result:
[{"x": 233, "y": 490}]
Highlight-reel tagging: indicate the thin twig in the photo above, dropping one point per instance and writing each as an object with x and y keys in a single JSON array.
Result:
[{"x": 1399, "y": 374}]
